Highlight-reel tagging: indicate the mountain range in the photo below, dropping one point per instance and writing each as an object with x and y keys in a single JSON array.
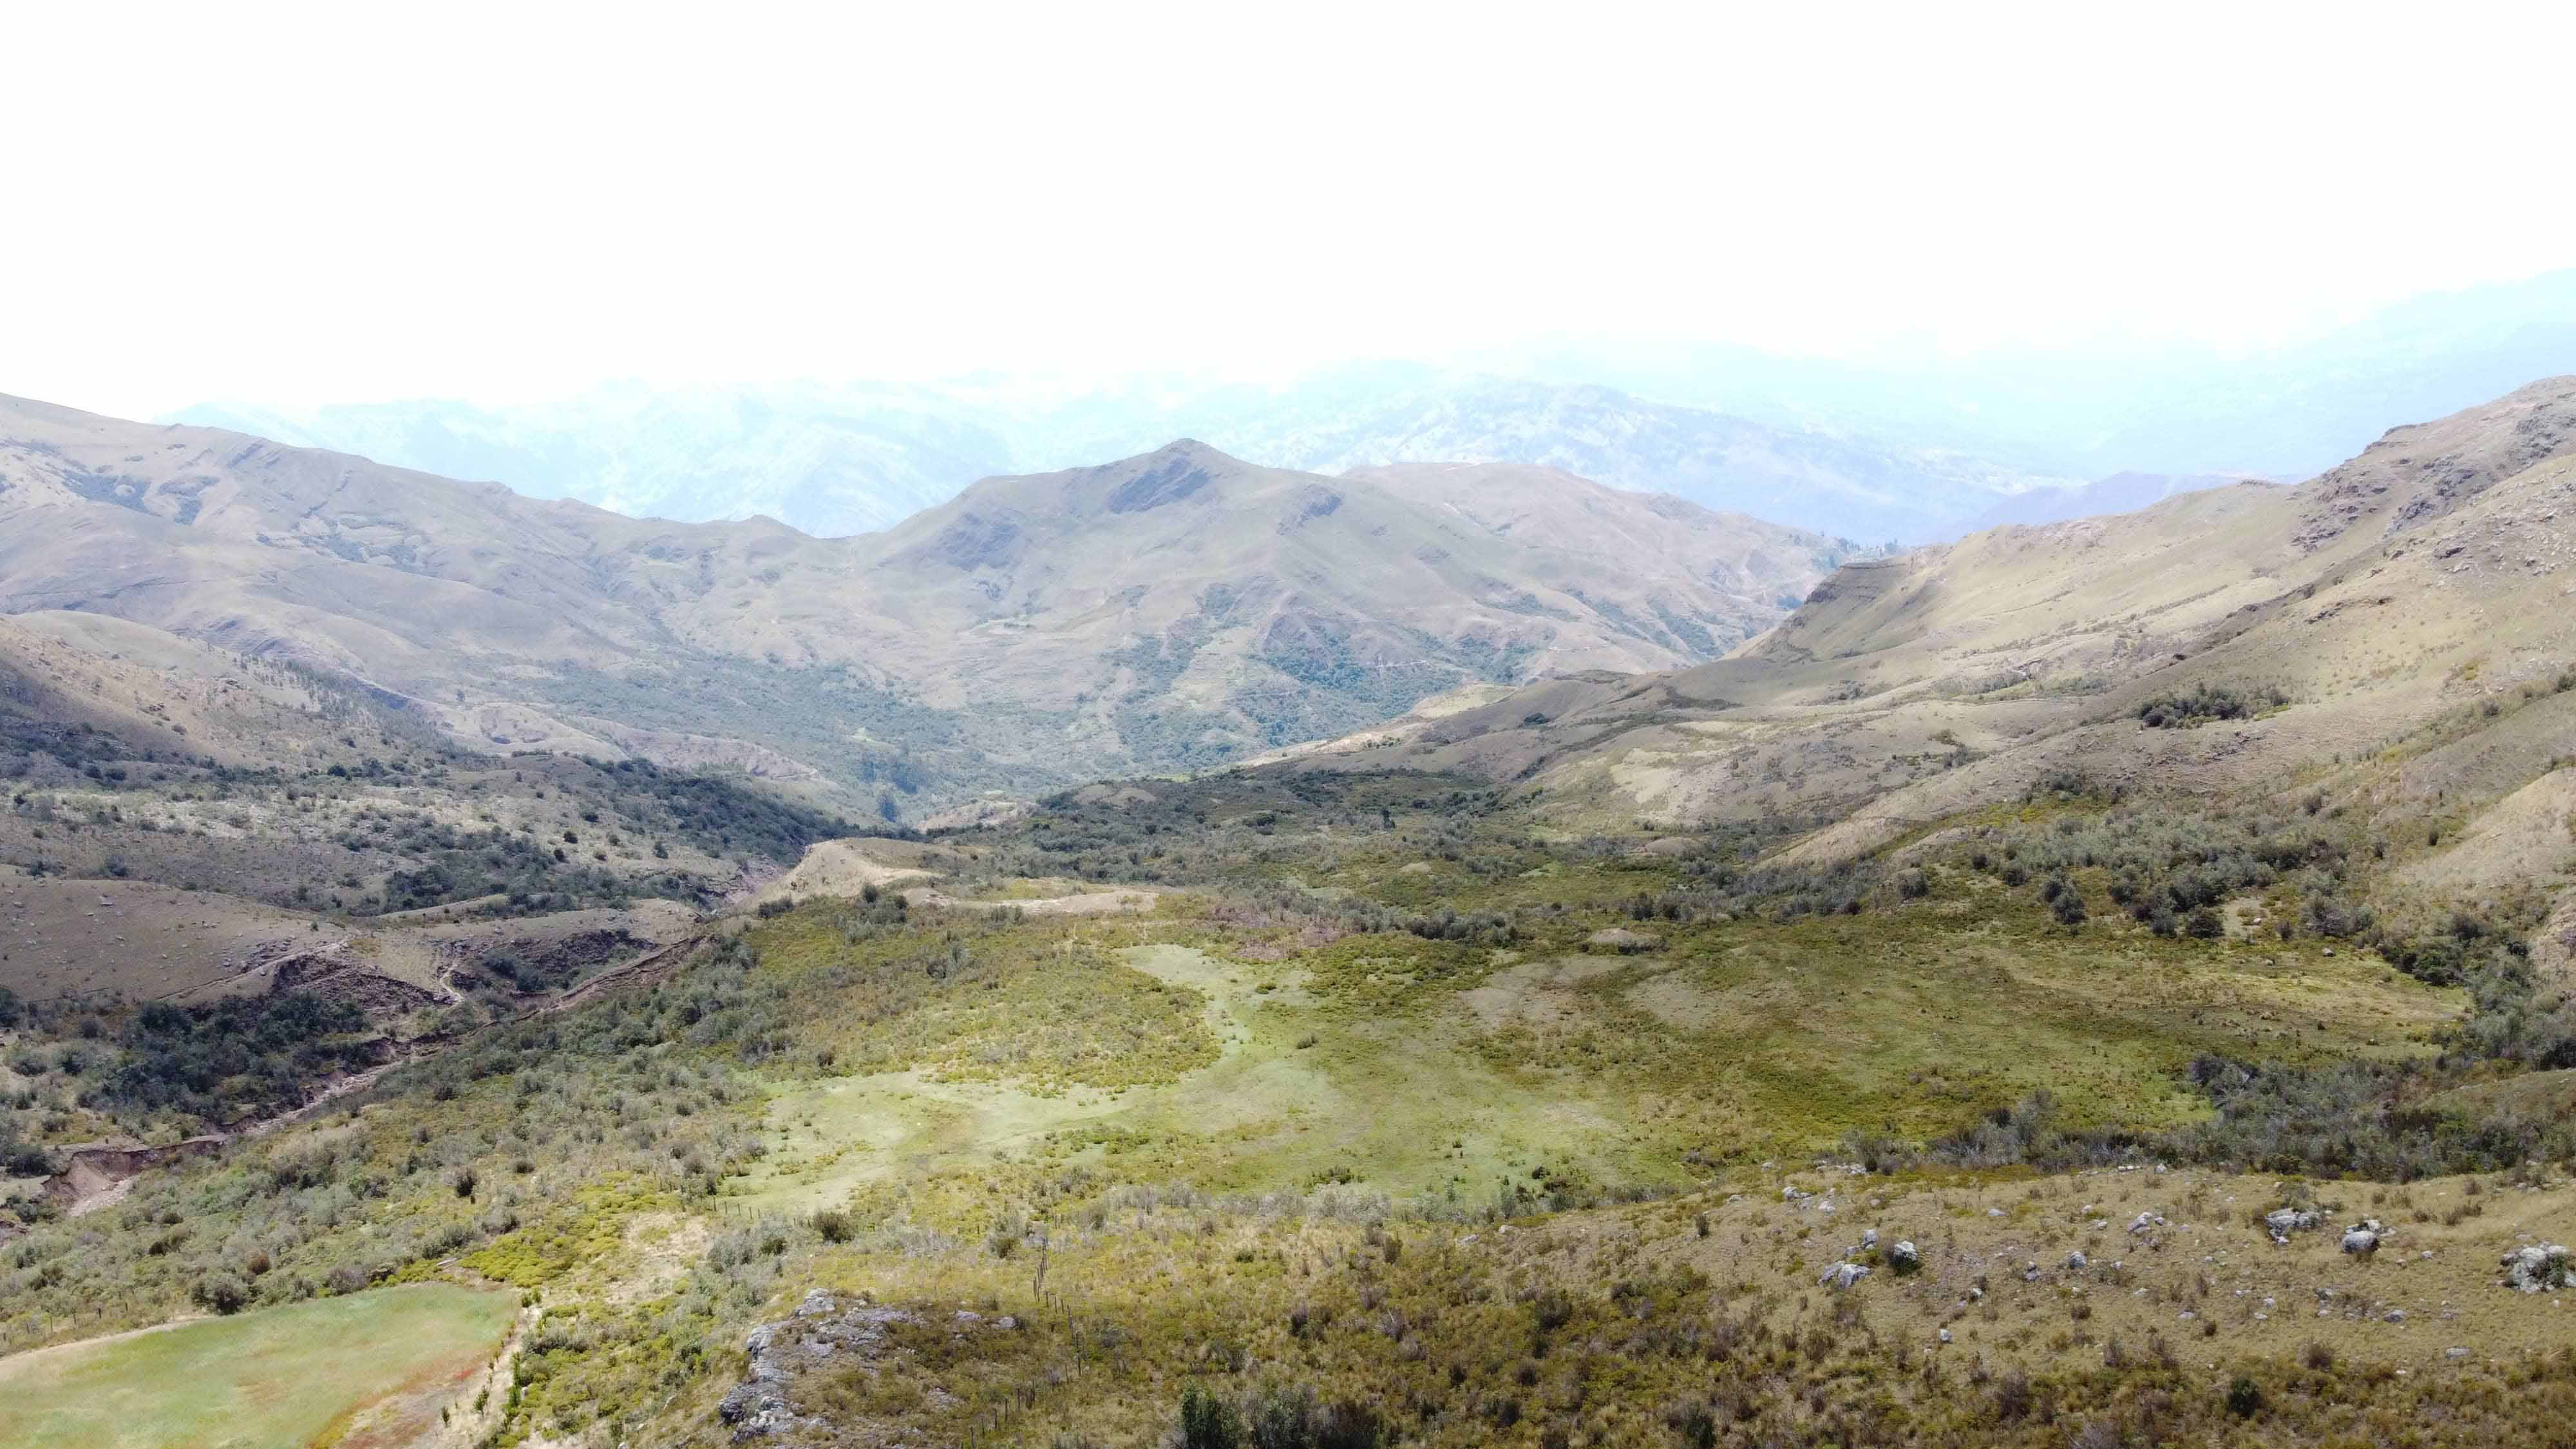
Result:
[
  {"x": 1915, "y": 452},
  {"x": 836, "y": 460},
  {"x": 438, "y": 973},
  {"x": 1175, "y": 610}
]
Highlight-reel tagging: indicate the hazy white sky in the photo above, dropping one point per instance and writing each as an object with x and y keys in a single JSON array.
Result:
[{"x": 502, "y": 202}]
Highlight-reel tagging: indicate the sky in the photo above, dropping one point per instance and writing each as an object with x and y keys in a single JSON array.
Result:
[{"x": 505, "y": 203}]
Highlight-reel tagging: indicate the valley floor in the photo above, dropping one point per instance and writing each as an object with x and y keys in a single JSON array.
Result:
[{"x": 1373, "y": 1114}]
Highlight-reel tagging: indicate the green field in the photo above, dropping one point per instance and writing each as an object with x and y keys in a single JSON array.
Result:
[{"x": 278, "y": 1376}]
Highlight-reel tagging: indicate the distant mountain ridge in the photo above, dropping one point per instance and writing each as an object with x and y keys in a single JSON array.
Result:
[
  {"x": 2119, "y": 493},
  {"x": 1176, "y": 609},
  {"x": 838, "y": 460}
]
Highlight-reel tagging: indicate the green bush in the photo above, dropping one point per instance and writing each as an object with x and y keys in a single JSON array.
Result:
[
  {"x": 2205, "y": 702},
  {"x": 221, "y": 1292}
]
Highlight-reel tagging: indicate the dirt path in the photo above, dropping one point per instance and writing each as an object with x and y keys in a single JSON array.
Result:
[{"x": 1084, "y": 903}]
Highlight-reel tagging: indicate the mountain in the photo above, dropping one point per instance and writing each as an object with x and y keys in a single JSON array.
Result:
[
  {"x": 2285, "y": 410},
  {"x": 835, "y": 460},
  {"x": 831, "y": 462},
  {"x": 2119, "y": 493},
  {"x": 2425, "y": 581},
  {"x": 1178, "y": 609}
]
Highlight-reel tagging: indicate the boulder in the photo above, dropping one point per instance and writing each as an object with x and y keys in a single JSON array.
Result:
[
  {"x": 1839, "y": 1276},
  {"x": 2145, "y": 1223},
  {"x": 1622, "y": 940},
  {"x": 2536, "y": 1267},
  {"x": 2361, "y": 1240},
  {"x": 1903, "y": 1257},
  {"x": 2284, "y": 1221}
]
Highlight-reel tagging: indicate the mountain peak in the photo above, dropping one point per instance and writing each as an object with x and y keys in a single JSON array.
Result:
[{"x": 1175, "y": 472}]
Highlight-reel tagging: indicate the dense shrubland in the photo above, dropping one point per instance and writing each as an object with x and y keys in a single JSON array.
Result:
[{"x": 517, "y": 1148}]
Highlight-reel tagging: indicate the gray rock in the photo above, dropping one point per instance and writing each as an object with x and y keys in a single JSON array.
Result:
[
  {"x": 2360, "y": 1241},
  {"x": 2078, "y": 1262},
  {"x": 1839, "y": 1276},
  {"x": 1903, "y": 1256},
  {"x": 2145, "y": 1223},
  {"x": 2538, "y": 1267},
  {"x": 2284, "y": 1221}
]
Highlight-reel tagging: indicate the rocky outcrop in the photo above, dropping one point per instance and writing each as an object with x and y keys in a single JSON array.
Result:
[
  {"x": 2539, "y": 1267},
  {"x": 822, "y": 1330},
  {"x": 2281, "y": 1222},
  {"x": 1621, "y": 940}
]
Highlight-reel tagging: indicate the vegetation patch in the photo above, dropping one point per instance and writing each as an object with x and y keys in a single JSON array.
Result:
[{"x": 278, "y": 1376}]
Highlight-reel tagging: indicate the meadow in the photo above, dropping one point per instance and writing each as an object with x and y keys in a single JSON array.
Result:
[
  {"x": 296, "y": 1374},
  {"x": 1402, "y": 1117}
]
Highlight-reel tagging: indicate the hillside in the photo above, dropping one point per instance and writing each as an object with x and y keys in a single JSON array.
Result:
[
  {"x": 1177, "y": 609},
  {"x": 2427, "y": 576},
  {"x": 2119, "y": 493}
]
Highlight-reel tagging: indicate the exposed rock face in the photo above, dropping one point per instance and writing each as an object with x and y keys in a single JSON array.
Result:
[
  {"x": 821, "y": 1330},
  {"x": 2538, "y": 1267},
  {"x": 760, "y": 1405}
]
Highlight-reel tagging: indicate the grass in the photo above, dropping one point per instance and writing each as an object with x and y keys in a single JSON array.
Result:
[
  {"x": 277, "y": 1376},
  {"x": 1606, "y": 1325},
  {"x": 1322, "y": 1123}
]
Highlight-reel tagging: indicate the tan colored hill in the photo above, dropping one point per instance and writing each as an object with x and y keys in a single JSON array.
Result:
[
  {"x": 1184, "y": 606},
  {"x": 1173, "y": 610},
  {"x": 2428, "y": 582}
]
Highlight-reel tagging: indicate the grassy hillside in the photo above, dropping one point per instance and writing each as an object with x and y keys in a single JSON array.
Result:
[
  {"x": 2360, "y": 610},
  {"x": 290, "y": 1375},
  {"x": 1402, "y": 1100}
]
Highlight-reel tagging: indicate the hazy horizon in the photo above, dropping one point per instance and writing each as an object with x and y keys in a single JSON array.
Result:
[{"x": 406, "y": 210}]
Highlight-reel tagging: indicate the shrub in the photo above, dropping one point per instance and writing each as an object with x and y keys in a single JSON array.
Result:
[
  {"x": 1208, "y": 1422},
  {"x": 2244, "y": 1397},
  {"x": 220, "y": 1292}
]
